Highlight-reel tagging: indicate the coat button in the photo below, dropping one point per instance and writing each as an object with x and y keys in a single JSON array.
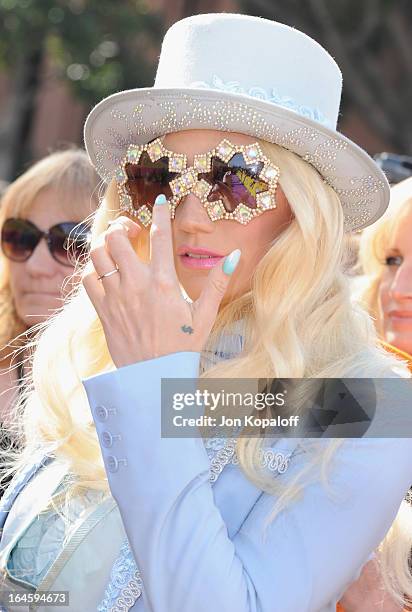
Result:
[
  {"x": 102, "y": 413},
  {"x": 113, "y": 463},
  {"x": 108, "y": 438}
]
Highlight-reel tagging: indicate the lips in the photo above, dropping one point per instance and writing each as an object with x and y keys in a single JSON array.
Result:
[
  {"x": 185, "y": 249},
  {"x": 192, "y": 257},
  {"x": 400, "y": 314},
  {"x": 401, "y": 319}
]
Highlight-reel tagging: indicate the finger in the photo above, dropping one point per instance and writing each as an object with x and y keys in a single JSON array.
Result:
[
  {"x": 161, "y": 241},
  {"x": 93, "y": 287},
  {"x": 102, "y": 261},
  {"x": 120, "y": 249},
  {"x": 132, "y": 227},
  {"x": 207, "y": 305}
]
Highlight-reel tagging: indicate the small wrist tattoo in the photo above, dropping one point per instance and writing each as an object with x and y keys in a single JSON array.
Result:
[{"x": 187, "y": 329}]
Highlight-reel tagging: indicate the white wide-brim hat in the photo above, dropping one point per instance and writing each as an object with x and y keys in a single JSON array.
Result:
[{"x": 238, "y": 73}]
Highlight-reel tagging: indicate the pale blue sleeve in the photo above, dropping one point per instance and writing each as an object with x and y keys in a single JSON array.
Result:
[{"x": 188, "y": 563}]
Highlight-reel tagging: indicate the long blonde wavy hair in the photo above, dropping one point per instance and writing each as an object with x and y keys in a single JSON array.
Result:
[
  {"x": 373, "y": 246},
  {"x": 300, "y": 322},
  {"x": 71, "y": 174}
]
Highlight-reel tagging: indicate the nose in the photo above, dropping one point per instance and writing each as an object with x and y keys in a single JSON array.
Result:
[
  {"x": 41, "y": 263},
  {"x": 401, "y": 287},
  {"x": 192, "y": 217}
]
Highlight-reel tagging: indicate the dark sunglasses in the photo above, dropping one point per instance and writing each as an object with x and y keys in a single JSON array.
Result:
[
  {"x": 232, "y": 181},
  {"x": 67, "y": 241}
]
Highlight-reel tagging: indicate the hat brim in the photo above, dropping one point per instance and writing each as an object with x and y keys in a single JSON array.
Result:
[{"x": 137, "y": 116}]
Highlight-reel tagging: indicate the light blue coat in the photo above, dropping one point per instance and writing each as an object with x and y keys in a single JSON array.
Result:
[
  {"x": 200, "y": 549},
  {"x": 198, "y": 541}
]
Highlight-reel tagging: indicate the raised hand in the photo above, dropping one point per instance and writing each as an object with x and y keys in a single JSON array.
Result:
[{"x": 143, "y": 312}]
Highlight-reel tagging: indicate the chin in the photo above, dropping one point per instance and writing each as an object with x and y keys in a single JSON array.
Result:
[
  {"x": 400, "y": 341},
  {"x": 37, "y": 313},
  {"x": 35, "y": 318}
]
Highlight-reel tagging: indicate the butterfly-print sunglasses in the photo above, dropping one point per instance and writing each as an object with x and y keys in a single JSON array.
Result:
[{"x": 232, "y": 181}]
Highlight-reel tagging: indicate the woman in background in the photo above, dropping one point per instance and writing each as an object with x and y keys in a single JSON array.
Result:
[
  {"x": 41, "y": 236},
  {"x": 386, "y": 260}
]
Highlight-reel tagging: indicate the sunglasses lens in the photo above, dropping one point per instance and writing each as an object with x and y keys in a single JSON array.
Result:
[
  {"x": 235, "y": 182},
  {"x": 148, "y": 179},
  {"x": 69, "y": 242},
  {"x": 18, "y": 239}
]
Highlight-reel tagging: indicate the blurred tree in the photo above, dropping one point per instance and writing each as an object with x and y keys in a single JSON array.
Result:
[
  {"x": 371, "y": 41},
  {"x": 97, "y": 46}
]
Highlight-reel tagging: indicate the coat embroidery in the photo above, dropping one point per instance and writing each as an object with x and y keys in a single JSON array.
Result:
[{"x": 125, "y": 584}]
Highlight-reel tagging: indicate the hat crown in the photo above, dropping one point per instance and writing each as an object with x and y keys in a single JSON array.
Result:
[{"x": 253, "y": 56}]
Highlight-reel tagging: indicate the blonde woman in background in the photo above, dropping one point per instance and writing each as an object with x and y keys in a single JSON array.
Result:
[
  {"x": 386, "y": 260},
  {"x": 223, "y": 258},
  {"x": 41, "y": 235}
]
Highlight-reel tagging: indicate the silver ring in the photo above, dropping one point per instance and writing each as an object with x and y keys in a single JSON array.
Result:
[{"x": 108, "y": 274}]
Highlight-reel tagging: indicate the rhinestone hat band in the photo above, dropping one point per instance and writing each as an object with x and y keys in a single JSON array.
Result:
[
  {"x": 188, "y": 180},
  {"x": 271, "y": 95}
]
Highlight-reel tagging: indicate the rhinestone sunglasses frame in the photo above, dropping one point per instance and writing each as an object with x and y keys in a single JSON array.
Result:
[{"x": 188, "y": 180}]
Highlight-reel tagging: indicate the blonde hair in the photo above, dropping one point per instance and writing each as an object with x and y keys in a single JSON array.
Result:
[
  {"x": 72, "y": 175},
  {"x": 374, "y": 243},
  {"x": 300, "y": 322}
]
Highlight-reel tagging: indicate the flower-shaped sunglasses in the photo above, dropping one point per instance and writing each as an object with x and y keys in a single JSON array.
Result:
[{"x": 232, "y": 181}]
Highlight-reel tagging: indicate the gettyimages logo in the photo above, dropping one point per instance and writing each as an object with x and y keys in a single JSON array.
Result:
[{"x": 293, "y": 407}]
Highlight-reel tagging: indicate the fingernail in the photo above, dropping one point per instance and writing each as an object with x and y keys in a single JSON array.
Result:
[
  {"x": 114, "y": 221},
  {"x": 161, "y": 199},
  {"x": 231, "y": 261}
]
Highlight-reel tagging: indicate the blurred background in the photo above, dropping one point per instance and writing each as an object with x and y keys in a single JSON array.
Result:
[{"x": 58, "y": 58}]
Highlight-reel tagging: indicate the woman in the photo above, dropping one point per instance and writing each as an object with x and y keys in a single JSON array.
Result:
[
  {"x": 385, "y": 257},
  {"x": 50, "y": 200},
  {"x": 386, "y": 260},
  {"x": 222, "y": 257}
]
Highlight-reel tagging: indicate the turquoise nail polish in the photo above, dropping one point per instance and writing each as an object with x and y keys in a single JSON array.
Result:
[
  {"x": 161, "y": 199},
  {"x": 231, "y": 261}
]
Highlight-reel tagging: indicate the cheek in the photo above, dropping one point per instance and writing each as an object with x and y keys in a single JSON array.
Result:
[
  {"x": 263, "y": 230},
  {"x": 257, "y": 237},
  {"x": 63, "y": 281},
  {"x": 55, "y": 273},
  {"x": 383, "y": 291},
  {"x": 17, "y": 275},
  {"x": 67, "y": 282},
  {"x": 62, "y": 272}
]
